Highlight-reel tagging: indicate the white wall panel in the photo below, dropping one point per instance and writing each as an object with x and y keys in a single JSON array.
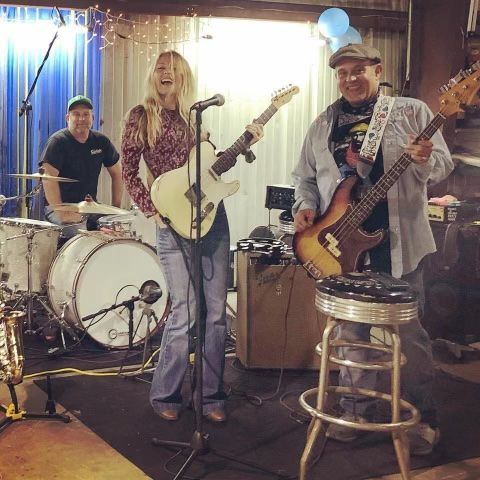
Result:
[{"x": 245, "y": 61}]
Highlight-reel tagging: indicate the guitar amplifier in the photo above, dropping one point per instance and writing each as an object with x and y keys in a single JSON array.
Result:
[
  {"x": 278, "y": 325},
  {"x": 453, "y": 212},
  {"x": 281, "y": 197}
]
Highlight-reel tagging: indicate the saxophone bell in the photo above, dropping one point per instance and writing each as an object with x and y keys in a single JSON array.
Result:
[{"x": 11, "y": 345}]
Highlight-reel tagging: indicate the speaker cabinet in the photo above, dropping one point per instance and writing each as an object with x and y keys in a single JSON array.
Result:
[{"x": 277, "y": 322}]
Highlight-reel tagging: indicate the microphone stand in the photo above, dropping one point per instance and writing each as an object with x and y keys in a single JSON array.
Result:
[
  {"x": 200, "y": 441},
  {"x": 26, "y": 109}
]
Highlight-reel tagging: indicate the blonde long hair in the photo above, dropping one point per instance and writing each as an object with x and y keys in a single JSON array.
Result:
[{"x": 150, "y": 122}]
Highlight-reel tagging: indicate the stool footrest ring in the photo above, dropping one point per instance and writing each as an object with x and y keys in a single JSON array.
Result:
[
  {"x": 369, "y": 427},
  {"x": 376, "y": 365}
]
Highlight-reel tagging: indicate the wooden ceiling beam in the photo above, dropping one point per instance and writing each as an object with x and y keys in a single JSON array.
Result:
[{"x": 265, "y": 10}]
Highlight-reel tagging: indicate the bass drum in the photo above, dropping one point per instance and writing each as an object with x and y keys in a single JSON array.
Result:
[{"x": 95, "y": 271}]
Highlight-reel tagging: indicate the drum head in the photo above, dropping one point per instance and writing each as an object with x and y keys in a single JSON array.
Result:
[
  {"x": 108, "y": 272},
  {"x": 114, "y": 274}
]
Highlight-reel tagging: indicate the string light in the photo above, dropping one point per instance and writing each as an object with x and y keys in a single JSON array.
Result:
[{"x": 118, "y": 27}]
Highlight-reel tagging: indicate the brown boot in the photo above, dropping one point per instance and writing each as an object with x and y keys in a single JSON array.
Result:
[
  {"x": 217, "y": 416},
  {"x": 169, "y": 415}
]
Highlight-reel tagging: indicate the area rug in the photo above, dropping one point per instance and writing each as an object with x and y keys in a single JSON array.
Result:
[{"x": 264, "y": 426}]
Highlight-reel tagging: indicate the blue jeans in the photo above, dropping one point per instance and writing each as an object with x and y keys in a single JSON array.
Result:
[
  {"x": 417, "y": 374},
  {"x": 165, "y": 393}
]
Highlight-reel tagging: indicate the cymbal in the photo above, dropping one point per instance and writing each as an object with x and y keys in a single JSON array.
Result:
[
  {"x": 41, "y": 176},
  {"x": 89, "y": 207}
]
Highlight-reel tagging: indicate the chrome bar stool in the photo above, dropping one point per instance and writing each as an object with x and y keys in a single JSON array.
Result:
[{"x": 381, "y": 301}]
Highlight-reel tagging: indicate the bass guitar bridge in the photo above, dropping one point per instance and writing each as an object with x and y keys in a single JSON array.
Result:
[{"x": 315, "y": 272}]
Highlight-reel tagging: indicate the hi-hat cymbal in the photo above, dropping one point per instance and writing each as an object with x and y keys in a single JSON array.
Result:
[
  {"x": 41, "y": 176},
  {"x": 89, "y": 207}
]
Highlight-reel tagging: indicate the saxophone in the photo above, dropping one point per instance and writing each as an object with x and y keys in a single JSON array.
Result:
[{"x": 11, "y": 345}]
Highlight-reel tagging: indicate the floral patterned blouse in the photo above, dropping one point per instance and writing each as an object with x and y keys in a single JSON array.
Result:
[{"x": 170, "y": 151}]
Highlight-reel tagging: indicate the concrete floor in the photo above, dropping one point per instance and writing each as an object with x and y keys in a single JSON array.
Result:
[{"x": 53, "y": 450}]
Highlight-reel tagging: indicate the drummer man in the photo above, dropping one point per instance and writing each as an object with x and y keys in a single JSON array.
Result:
[{"x": 78, "y": 152}]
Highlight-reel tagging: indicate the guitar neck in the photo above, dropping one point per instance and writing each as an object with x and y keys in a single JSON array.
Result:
[
  {"x": 379, "y": 191},
  {"x": 229, "y": 157}
]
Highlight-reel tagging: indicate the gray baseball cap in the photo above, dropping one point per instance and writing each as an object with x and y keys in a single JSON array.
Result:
[{"x": 355, "y": 51}]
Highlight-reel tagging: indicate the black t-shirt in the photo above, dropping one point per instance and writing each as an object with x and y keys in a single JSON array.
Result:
[
  {"x": 80, "y": 161},
  {"x": 347, "y": 137}
]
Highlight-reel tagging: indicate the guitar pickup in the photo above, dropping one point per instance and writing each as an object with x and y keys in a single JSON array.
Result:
[
  {"x": 334, "y": 250},
  {"x": 332, "y": 245},
  {"x": 203, "y": 214},
  {"x": 191, "y": 194}
]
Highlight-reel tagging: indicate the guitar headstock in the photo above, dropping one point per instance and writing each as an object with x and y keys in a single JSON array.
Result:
[
  {"x": 460, "y": 91},
  {"x": 284, "y": 95}
]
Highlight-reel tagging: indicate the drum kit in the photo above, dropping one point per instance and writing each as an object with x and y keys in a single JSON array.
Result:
[{"x": 85, "y": 286}]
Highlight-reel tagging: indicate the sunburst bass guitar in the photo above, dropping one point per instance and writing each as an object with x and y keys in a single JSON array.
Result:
[
  {"x": 336, "y": 243},
  {"x": 173, "y": 193}
]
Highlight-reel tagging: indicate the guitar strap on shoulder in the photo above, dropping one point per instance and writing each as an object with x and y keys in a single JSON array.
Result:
[{"x": 373, "y": 137}]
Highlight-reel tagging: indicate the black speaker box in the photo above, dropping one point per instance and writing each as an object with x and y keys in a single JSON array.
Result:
[{"x": 277, "y": 322}]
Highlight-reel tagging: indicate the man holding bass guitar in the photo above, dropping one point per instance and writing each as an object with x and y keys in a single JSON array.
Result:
[{"x": 337, "y": 146}]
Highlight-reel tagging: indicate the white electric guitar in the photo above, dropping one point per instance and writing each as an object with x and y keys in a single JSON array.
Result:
[{"x": 173, "y": 193}]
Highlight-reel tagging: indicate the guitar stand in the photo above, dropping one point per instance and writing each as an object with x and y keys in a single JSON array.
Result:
[{"x": 12, "y": 412}]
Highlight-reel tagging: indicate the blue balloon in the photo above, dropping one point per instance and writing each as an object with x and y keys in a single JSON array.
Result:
[
  {"x": 333, "y": 22},
  {"x": 350, "y": 36}
]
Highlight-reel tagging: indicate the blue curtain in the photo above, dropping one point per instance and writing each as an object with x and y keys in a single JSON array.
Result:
[{"x": 73, "y": 67}]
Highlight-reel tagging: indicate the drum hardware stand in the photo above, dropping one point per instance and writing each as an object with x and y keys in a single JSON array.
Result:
[
  {"x": 27, "y": 298},
  {"x": 64, "y": 327},
  {"x": 13, "y": 413},
  {"x": 200, "y": 441}
]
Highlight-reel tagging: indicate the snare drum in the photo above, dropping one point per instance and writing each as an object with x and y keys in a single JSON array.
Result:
[
  {"x": 131, "y": 225},
  {"x": 95, "y": 271},
  {"x": 14, "y": 242}
]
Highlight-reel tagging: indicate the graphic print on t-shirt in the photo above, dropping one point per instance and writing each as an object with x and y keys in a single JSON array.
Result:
[{"x": 347, "y": 149}]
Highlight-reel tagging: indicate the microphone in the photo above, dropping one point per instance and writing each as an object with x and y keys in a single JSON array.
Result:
[
  {"x": 217, "y": 100},
  {"x": 60, "y": 16},
  {"x": 150, "y": 292}
]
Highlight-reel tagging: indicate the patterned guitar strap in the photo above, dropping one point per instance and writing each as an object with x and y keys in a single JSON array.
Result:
[{"x": 373, "y": 137}]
